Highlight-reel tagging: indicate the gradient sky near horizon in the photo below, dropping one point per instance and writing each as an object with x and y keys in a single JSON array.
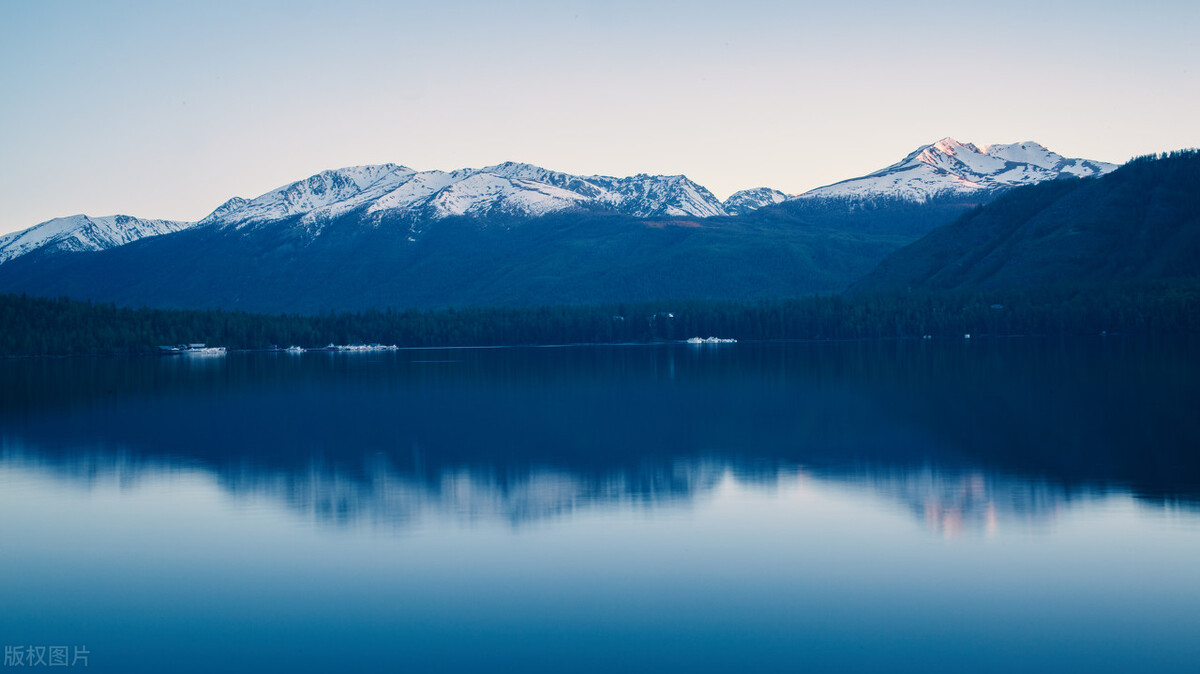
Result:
[{"x": 165, "y": 110}]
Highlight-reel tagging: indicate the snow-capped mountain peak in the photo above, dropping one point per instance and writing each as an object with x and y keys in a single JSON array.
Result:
[
  {"x": 949, "y": 146},
  {"x": 950, "y": 167},
  {"x": 744, "y": 201},
  {"x": 77, "y": 233},
  {"x": 1026, "y": 152}
]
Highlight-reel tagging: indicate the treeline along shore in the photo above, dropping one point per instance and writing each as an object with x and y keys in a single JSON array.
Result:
[{"x": 34, "y": 326}]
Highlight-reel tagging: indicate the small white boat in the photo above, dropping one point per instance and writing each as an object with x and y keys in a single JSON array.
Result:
[
  {"x": 294, "y": 349},
  {"x": 360, "y": 348},
  {"x": 204, "y": 351},
  {"x": 192, "y": 350},
  {"x": 712, "y": 340}
]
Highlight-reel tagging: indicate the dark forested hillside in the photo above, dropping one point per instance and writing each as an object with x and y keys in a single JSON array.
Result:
[
  {"x": 37, "y": 326},
  {"x": 870, "y": 215},
  {"x": 1139, "y": 223}
]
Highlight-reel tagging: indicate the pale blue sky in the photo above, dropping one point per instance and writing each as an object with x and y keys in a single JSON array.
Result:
[{"x": 167, "y": 109}]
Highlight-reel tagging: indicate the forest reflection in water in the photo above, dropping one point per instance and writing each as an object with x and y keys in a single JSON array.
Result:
[{"x": 963, "y": 436}]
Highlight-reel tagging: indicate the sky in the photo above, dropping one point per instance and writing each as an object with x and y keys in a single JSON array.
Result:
[{"x": 165, "y": 110}]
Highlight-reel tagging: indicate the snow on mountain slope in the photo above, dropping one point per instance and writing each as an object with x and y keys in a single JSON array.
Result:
[
  {"x": 77, "y": 233},
  {"x": 482, "y": 192},
  {"x": 326, "y": 194},
  {"x": 509, "y": 188},
  {"x": 949, "y": 167},
  {"x": 641, "y": 195},
  {"x": 646, "y": 196},
  {"x": 753, "y": 199}
]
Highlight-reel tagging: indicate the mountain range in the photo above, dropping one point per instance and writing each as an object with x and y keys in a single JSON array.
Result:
[
  {"x": 945, "y": 169},
  {"x": 950, "y": 216}
]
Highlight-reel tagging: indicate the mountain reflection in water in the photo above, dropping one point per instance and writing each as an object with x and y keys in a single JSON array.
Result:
[
  {"x": 948, "y": 501},
  {"x": 965, "y": 437}
]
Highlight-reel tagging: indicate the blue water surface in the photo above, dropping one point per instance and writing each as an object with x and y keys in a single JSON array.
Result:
[{"x": 992, "y": 506}]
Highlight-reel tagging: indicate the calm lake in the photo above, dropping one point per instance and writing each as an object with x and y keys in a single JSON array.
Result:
[{"x": 1006, "y": 505}]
